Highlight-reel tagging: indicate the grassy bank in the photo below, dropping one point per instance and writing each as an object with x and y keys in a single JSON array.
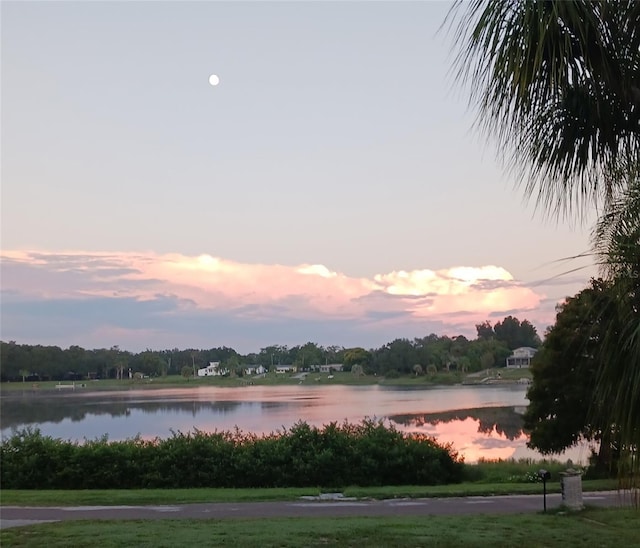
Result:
[
  {"x": 442, "y": 378},
  {"x": 606, "y": 528},
  {"x": 118, "y": 497}
]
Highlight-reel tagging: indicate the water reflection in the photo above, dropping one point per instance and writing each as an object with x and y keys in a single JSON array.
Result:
[
  {"x": 478, "y": 421},
  {"x": 485, "y": 432},
  {"x": 36, "y": 412},
  {"x": 505, "y": 421}
]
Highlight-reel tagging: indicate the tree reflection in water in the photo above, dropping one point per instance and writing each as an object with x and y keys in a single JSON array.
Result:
[
  {"x": 506, "y": 421},
  {"x": 33, "y": 410}
]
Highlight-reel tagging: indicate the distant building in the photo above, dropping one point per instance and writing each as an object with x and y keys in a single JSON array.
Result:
[
  {"x": 328, "y": 368},
  {"x": 285, "y": 369},
  {"x": 212, "y": 370},
  {"x": 521, "y": 357},
  {"x": 254, "y": 370}
]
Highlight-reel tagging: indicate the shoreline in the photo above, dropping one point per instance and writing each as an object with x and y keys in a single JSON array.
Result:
[{"x": 112, "y": 385}]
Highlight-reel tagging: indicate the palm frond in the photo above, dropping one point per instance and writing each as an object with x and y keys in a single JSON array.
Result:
[{"x": 556, "y": 85}]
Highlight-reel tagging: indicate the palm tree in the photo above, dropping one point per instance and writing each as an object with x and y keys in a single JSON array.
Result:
[
  {"x": 617, "y": 244},
  {"x": 557, "y": 84},
  {"x": 617, "y": 232}
]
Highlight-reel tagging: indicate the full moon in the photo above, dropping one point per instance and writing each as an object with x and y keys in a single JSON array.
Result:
[{"x": 214, "y": 80}]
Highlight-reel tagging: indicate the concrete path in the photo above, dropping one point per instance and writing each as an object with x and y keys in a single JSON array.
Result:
[{"x": 14, "y": 516}]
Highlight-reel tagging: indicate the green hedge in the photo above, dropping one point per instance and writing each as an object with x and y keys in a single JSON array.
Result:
[{"x": 364, "y": 454}]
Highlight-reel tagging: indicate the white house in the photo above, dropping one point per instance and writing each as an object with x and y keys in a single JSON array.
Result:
[
  {"x": 328, "y": 368},
  {"x": 255, "y": 370},
  {"x": 521, "y": 357},
  {"x": 212, "y": 370}
]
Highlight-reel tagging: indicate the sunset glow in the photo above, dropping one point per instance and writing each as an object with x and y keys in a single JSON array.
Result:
[{"x": 205, "y": 284}]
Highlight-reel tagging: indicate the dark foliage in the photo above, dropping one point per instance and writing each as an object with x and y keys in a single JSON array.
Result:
[
  {"x": 564, "y": 407},
  {"x": 364, "y": 454}
]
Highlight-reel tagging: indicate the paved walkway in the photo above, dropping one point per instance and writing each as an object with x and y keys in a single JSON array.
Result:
[{"x": 14, "y": 516}]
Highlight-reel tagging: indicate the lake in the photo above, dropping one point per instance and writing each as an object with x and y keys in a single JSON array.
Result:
[{"x": 479, "y": 421}]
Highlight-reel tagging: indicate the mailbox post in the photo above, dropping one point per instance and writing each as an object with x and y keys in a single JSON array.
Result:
[{"x": 544, "y": 475}]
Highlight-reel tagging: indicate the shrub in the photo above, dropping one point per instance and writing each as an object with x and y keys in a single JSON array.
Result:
[{"x": 364, "y": 454}]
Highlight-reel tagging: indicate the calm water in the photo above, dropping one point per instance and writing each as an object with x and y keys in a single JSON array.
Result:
[{"x": 479, "y": 421}]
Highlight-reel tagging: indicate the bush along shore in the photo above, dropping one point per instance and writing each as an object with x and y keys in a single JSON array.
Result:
[{"x": 365, "y": 454}]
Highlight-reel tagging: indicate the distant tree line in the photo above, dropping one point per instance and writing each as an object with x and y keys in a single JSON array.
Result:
[{"x": 433, "y": 353}]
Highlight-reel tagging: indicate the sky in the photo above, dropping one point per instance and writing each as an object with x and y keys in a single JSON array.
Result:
[{"x": 331, "y": 188}]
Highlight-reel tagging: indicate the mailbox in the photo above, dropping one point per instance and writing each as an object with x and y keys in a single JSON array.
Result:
[{"x": 544, "y": 475}]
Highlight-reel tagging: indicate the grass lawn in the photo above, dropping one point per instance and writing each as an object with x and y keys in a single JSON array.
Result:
[
  {"x": 592, "y": 527},
  {"x": 270, "y": 379},
  {"x": 114, "y": 497}
]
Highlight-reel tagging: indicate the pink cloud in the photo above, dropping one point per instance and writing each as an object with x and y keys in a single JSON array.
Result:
[
  {"x": 451, "y": 296},
  {"x": 460, "y": 289}
]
